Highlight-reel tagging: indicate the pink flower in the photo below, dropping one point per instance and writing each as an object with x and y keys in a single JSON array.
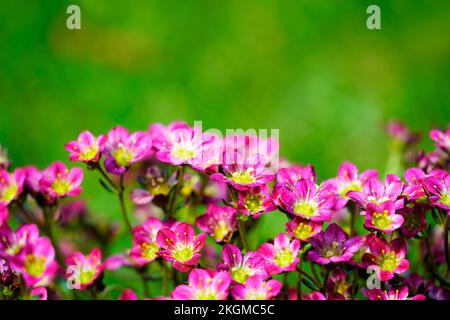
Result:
[
  {"x": 179, "y": 144},
  {"x": 241, "y": 173},
  {"x": 204, "y": 285},
  {"x": 414, "y": 221},
  {"x": 255, "y": 201},
  {"x": 85, "y": 269},
  {"x": 180, "y": 245},
  {"x": 438, "y": 189},
  {"x": 382, "y": 217},
  {"x": 441, "y": 138},
  {"x": 303, "y": 229},
  {"x": 390, "y": 258},
  {"x": 256, "y": 289},
  {"x": 128, "y": 294},
  {"x": 123, "y": 149},
  {"x": 156, "y": 182},
  {"x": 11, "y": 185},
  {"x": 333, "y": 245},
  {"x": 339, "y": 285},
  {"x": 145, "y": 247},
  {"x": 414, "y": 190},
  {"x": 12, "y": 243},
  {"x": 86, "y": 148},
  {"x": 400, "y": 293},
  {"x": 219, "y": 222},
  {"x": 32, "y": 179},
  {"x": 39, "y": 293},
  {"x": 37, "y": 262},
  {"x": 374, "y": 191},
  {"x": 57, "y": 181},
  {"x": 241, "y": 267},
  {"x": 308, "y": 201},
  {"x": 348, "y": 180},
  {"x": 288, "y": 177},
  {"x": 316, "y": 295},
  {"x": 3, "y": 215},
  {"x": 281, "y": 256}
]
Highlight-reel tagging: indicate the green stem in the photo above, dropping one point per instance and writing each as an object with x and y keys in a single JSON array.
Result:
[
  {"x": 177, "y": 190},
  {"x": 241, "y": 227},
  {"x": 299, "y": 280},
  {"x": 446, "y": 231},
  {"x": 122, "y": 203},
  {"x": 48, "y": 217},
  {"x": 105, "y": 175}
]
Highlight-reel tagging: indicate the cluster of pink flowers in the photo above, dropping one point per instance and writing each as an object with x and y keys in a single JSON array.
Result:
[{"x": 198, "y": 202}]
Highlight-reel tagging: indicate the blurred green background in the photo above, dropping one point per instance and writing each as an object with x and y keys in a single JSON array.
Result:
[{"x": 309, "y": 68}]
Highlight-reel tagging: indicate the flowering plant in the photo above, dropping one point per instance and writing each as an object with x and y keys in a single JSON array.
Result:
[{"x": 194, "y": 206}]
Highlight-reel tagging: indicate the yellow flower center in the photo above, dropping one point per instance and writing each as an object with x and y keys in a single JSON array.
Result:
[
  {"x": 253, "y": 202},
  {"x": 9, "y": 192},
  {"x": 382, "y": 220},
  {"x": 332, "y": 251},
  {"x": 303, "y": 231},
  {"x": 240, "y": 274},
  {"x": 183, "y": 152},
  {"x": 221, "y": 230},
  {"x": 122, "y": 156},
  {"x": 89, "y": 153},
  {"x": 149, "y": 250},
  {"x": 61, "y": 186},
  {"x": 205, "y": 294},
  {"x": 445, "y": 199},
  {"x": 243, "y": 177},
  {"x": 305, "y": 208},
  {"x": 284, "y": 257},
  {"x": 353, "y": 186},
  {"x": 389, "y": 261},
  {"x": 183, "y": 253},
  {"x": 35, "y": 266},
  {"x": 87, "y": 274}
]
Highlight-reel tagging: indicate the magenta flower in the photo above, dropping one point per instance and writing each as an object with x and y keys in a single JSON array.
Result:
[
  {"x": 400, "y": 293},
  {"x": 438, "y": 189},
  {"x": 414, "y": 221},
  {"x": 256, "y": 289},
  {"x": 11, "y": 185},
  {"x": 157, "y": 182},
  {"x": 57, "y": 181},
  {"x": 374, "y": 191},
  {"x": 180, "y": 246},
  {"x": 303, "y": 229},
  {"x": 288, "y": 177},
  {"x": 316, "y": 295},
  {"x": 86, "y": 269},
  {"x": 86, "y": 148},
  {"x": 441, "y": 138},
  {"x": 241, "y": 267},
  {"x": 128, "y": 294},
  {"x": 382, "y": 217},
  {"x": 339, "y": 285},
  {"x": 203, "y": 285},
  {"x": 39, "y": 293},
  {"x": 281, "y": 256},
  {"x": 3, "y": 215},
  {"x": 32, "y": 178},
  {"x": 413, "y": 189},
  {"x": 179, "y": 144},
  {"x": 308, "y": 201},
  {"x": 390, "y": 258},
  {"x": 145, "y": 247},
  {"x": 243, "y": 174},
  {"x": 123, "y": 149},
  {"x": 37, "y": 262},
  {"x": 333, "y": 245},
  {"x": 219, "y": 222},
  {"x": 12, "y": 243},
  {"x": 348, "y": 180},
  {"x": 255, "y": 201}
]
